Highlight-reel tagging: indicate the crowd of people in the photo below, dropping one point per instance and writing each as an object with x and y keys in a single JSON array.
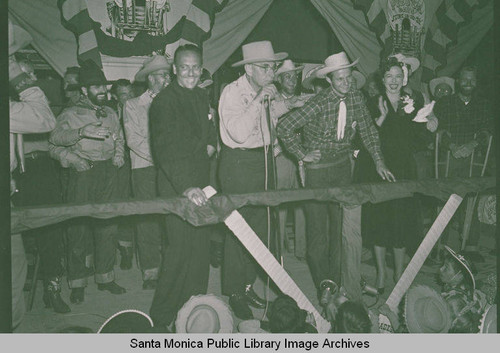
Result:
[{"x": 159, "y": 137}]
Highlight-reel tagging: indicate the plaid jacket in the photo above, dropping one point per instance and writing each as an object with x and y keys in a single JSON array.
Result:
[{"x": 319, "y": 116}]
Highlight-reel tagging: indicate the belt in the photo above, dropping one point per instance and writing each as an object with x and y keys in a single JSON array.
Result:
[
  {"x": 36, "y": 154},
  {"x": 256, "y": 149}
]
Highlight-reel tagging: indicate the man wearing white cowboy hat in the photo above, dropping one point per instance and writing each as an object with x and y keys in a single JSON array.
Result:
[
  {"x": 156, "y": 71},
  {"x": 246, "y": 139},
  {"x": 330, "y": 120},
  {"x": 31, "y": 114}
]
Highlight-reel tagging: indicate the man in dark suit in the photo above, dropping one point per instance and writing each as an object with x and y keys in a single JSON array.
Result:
[{"x": 182, "y": 141}]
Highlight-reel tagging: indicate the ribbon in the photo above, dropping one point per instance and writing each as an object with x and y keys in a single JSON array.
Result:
[{"x": 341, "y": 121}]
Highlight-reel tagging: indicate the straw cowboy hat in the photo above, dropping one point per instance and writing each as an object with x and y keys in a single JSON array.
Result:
[
  {"x": 443, "y": 79},
  {"x": 426, "y": 311},
  {"x": 465, "y": 263},
  {"x": 18, "y": 38},
  {"x": 309, "y": 74},
  {"x": 414, "y": 63},
  {"x": 127, "y": 321},
  {"x": 152, "y": 64},
  {"x": 335, "y": 62},
  {"x": 288, "y": 65},
  {"x": 259, "y": 52},
  {"x": 204, "y": 314}
]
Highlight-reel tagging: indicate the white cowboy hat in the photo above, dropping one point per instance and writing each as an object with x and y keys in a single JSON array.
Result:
[
  {"x": 204, "y": 314},
  {"x": 152, "y": 64},
  {"x": 18, "y": 38},
  {"x": 443, "y": 79},
  {"x": 288, "y": 65},
  {"x": 335, "y": 62},
  {"x": 309, "y": 74},
  {"x": 426, "y": 311},
  {"x": 259, "y": 52},
  {"x": 414, "y": 63}
]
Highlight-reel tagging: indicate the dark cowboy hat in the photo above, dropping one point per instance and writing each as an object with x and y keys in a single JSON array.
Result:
[{"x": 90, "y": 75}]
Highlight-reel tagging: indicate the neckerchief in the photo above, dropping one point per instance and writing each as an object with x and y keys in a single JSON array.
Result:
[{"x": 99, "y": 111}]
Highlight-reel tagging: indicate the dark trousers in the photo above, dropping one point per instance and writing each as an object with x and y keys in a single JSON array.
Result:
[
  {"x": 148, "y": 226},
  {"x": 126, "y": 225},
  {"x": 184, "y": 270},
  {"x": 98, "y": 184},
  {"x": 324, "y": 222},
  {"x": 242, "y": 171},
  {"x": 41, "y": 185}
]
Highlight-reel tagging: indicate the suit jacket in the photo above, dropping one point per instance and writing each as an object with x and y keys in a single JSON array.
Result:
[{"x": 180, "y": 132}]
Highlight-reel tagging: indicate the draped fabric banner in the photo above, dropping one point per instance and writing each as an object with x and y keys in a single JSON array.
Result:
[
  {"x": 219, "y": 207},
  {"x": 232, "y": 25}
]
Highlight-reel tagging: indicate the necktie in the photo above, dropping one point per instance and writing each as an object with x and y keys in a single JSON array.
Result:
[{"x": 341, "y": 120}]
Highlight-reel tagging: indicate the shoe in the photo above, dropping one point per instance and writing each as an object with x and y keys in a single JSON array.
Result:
[
  {"x": 149, "y": 284},
  {"x": 111, "y": 287},
  {"x": 216, "y": 253},
  {"x": 52, "y": 296},
  {"x": 238, "y": 304},
  {"x": 77, "y": 295},
  {"x": 126, "y": 254},
  {"x": 253, "y": 299}
]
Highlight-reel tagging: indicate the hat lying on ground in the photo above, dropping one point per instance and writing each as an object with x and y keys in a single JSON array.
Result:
[
  {"x": 465, "y": 263},
  {"x": 127, "y": 321},
  {"x": 204, "y": 314},
  {"x": 426, "y": 311},
  {"x": 259, "y": 52}
]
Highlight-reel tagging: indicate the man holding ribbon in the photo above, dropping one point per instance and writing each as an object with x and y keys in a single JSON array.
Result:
[{"x": 329, "y": 121}]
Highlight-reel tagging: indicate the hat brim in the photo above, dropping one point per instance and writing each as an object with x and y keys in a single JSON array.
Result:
[
  {"x": 21, "y": 39},
  {"x": 277, "y": 57},
  {"x": 444, "y": 79},
  {"x": 222, "y": 309},
  {"x": 103, "y": 327},
  {"x": 321, "y": 73},
  {"x": 143, "y": 73},
  {"x": 307, "y": 81},
  {"x": 411, "y": 320},
  {"x": 455, "y": 255}
]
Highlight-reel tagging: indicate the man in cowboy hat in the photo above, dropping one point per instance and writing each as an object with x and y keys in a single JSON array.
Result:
[
  {"x": 156, "y": 71},
  {"x": 30, "y": 114},
  {"x": 442, "y": 86},
  {"x": 246, "y": 138},
  {"x": 93, "y": 132},
  {"x": 180, "y": 135},
  {"x": 330, "y": 120}
]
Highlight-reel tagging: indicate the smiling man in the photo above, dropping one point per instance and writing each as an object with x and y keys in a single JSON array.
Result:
[{"x": 182, "y": 140}]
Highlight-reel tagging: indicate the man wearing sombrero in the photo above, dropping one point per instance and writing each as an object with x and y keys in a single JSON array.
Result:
[
  {"x": 94, "y": 136},
  {"x": 329, "y": 121},
  {"x": 246, "y": 138}
]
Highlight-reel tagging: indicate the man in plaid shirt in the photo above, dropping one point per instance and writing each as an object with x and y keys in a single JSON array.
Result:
[{"x": 329, "y": 121}]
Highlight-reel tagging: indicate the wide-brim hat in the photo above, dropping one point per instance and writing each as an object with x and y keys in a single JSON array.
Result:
[
  {"x": 360, "y": 79},
  {"x": 90, "y": 75},
  {"x": 335, "y": 62},
  {"x": 204, "y": 314},
  {"x": 426, "y": 311},
  {"x": 152, "y": 64},
  {"x": 287, "y": 66},
  {"x": 443, "y": 79},
  {"x": 18, "y": 38},
  {"x": 489, "y": 320},
  {"x": 414, "y": 63},
  {"x": 259, "y": 52},
  {"x": 465, "y": 263},
  {"x": 309, "y": 74},
  {"x": 127, "y": 321}
]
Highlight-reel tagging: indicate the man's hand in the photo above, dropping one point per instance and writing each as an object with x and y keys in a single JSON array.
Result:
[
  {"x": 196, "y": 196},
  {"x": 294, "y": 102},
  {"x": 269, "y": 90},
  {"x": 118, "y": 161},
  {"x": 432, "y": 124},
  {"x": 210, "y": 151},
  {"x": 384, "y": 172},
  {"x": 95, "y": 131},
  {"x": 80, "y": 164},
  {"x": 312, "y": 156}
]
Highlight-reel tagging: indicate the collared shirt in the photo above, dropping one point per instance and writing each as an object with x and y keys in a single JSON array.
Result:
[
  {"x": 462, "y": 120},
  {"x": 319, "y": 118},
  {"x": 73, "y": 118},
  {"x": 136, "y": 124},
  {"x": 31, "y": 115},
  {"x": 243, "y": 119}
]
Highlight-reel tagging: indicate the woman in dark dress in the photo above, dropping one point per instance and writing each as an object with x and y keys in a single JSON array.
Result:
[{"x": 392, "y": 223}]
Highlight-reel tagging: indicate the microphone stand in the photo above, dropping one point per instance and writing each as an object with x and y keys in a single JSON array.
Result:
[{"x": 271, "y": 168}]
